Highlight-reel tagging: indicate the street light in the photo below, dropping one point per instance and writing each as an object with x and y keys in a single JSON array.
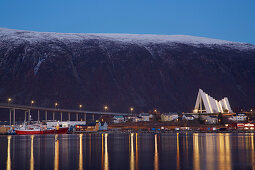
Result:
[
  {"x": 9, "y": 100},
  {"x": 155, "y": 110},
  {"x": 32, "y": 102},
  {"x": 56, "y": 104},
  {"x": 131, "y": 109},
  {"x": 80, "y": 106},
  {"x": 105, "y": 108}
]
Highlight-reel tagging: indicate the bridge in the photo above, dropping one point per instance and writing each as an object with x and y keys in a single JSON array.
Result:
[{"x": 27, "y": 111}]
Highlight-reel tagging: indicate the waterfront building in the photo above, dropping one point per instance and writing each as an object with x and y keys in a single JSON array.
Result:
[
  {"x": 168, "y": 117},
  {"x": 103, "y": 126},
  {"x": 210, "y": 119},
  {"x": 5, "y": 129},
  {"x": 144, "y": 117},
  {"x": 207, "y": 104},
  {"x": 65, "y": 123},
  {"x": 138, "y": 119},
  {"x": 239, "y": 117},
  {"x": 91, "y": 127},
  {"x": 188, "y": 117},
  {"x": 131, "y": 118},
  {"x": 118, "y": 119},
  {"x": 241, "y": 126}
]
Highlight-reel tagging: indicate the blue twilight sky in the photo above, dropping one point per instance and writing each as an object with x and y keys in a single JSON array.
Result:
[{"x": 232, "y": 20}]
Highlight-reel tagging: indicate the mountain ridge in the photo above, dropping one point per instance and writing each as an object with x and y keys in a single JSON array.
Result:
[
  {"x": 98, "y": 71},
  {"x": 132, "y": 38}
]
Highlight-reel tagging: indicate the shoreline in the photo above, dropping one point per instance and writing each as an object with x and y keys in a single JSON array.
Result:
[{"x": 143, "y": 132}]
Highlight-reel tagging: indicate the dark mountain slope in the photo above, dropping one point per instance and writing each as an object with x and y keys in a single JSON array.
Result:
[{"x": 144, "y": 71}]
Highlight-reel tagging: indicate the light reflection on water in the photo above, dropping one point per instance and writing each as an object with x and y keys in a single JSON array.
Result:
[
  {"x": 81, "y": 154},
  {"x": 32, "y": 153},
  {"x": 156, "y": 165},
  {"x": 177, "y": 152},
  {"x": 106, "y": 160},
  {"x": 136, "y": 151},
  {"x": 56, "y": 155},
  {"x": 129, "y": 151},
  {"x": 8, "y": 163},
  {"x": 196, "y": 153},
  {"x": 132, "y": 157}
]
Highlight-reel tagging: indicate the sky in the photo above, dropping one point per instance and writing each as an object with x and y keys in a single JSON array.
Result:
[{"x": 232, "y": 20}]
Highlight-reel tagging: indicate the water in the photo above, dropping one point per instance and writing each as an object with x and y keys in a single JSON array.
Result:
[{"x": 128, "y": 151}]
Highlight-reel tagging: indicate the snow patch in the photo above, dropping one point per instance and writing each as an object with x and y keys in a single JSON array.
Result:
[
  {"x": 140, "y": 39},
  {"x": 36, "y": 68}
]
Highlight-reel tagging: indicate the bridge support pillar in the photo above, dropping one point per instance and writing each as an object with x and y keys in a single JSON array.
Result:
[
  {"x": 25, "y": 116},
  {"x": 13, "y": 116},
  {"x": 38, "y": 115},
  {"x": 29, "y": 116},
  {"x": 69, "y": 116},
  {"x": 93, "y": 117},
  {"x": 53, "y": 116},
  {"x": 46, "y": 115},
  {"x": 85, "y": 117},
  {"x": 61, "y": 116},
  {"x": 76, "y": 116},
  {"x": 10, "y": 117}
]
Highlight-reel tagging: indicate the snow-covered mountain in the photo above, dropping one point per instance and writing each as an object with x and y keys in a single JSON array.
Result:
[
  {"x": 140, "y": 39},
  {"x": 123, "y": 70}
]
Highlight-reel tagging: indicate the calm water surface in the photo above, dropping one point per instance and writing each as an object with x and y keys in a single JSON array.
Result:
[{"x": 128, "y": 151}]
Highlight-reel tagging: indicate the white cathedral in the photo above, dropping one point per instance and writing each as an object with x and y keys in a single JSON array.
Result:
[{"x": 207, "y": 104}]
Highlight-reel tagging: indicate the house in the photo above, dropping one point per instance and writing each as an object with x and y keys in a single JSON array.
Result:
[
  {"x": 138, "y": 119},
  {"x": 210, "y": 119},
  {"x": 241, "y": 126},
  {"x": 91, "y": 127},
  {"x": 187, "y": 117},
  {"x": 65, "y": 123},
  {"x": 103, "y": 126},
  {"x": 239, "y": 117},
  {"x": 152, "y": 116},
  {"x": 168, "y": 117},
  {"x": 144, "y": 117},
  {"x": 118, "y": 119},
  {"x": 131, "y": 118}
]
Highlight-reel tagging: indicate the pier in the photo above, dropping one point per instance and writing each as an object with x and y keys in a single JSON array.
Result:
[{"x": 45, "y": 110}]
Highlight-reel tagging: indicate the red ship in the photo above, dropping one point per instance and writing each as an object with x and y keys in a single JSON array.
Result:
[
  {"x": 61, "y": 130},
  {"x": 28, "y": 131},
  {"x": 33, "y": 130}
]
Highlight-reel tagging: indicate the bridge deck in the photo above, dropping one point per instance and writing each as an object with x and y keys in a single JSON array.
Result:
[{"x": 24, "y": 107}]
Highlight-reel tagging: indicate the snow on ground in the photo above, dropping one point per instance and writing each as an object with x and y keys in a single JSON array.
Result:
[{"x": 143, "y": 39}]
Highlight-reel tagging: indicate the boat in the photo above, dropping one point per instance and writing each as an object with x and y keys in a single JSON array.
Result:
[
  {"x": 31, "y": 130},
  {"x": 60, "y": 130},
  {"x": 38, "y": 129}
]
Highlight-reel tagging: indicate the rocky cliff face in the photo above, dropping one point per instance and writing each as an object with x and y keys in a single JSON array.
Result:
[{"x": 143, "y": 71}]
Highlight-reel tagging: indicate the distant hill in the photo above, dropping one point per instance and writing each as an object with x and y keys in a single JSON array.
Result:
[{"x": 123, "y": 70}]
